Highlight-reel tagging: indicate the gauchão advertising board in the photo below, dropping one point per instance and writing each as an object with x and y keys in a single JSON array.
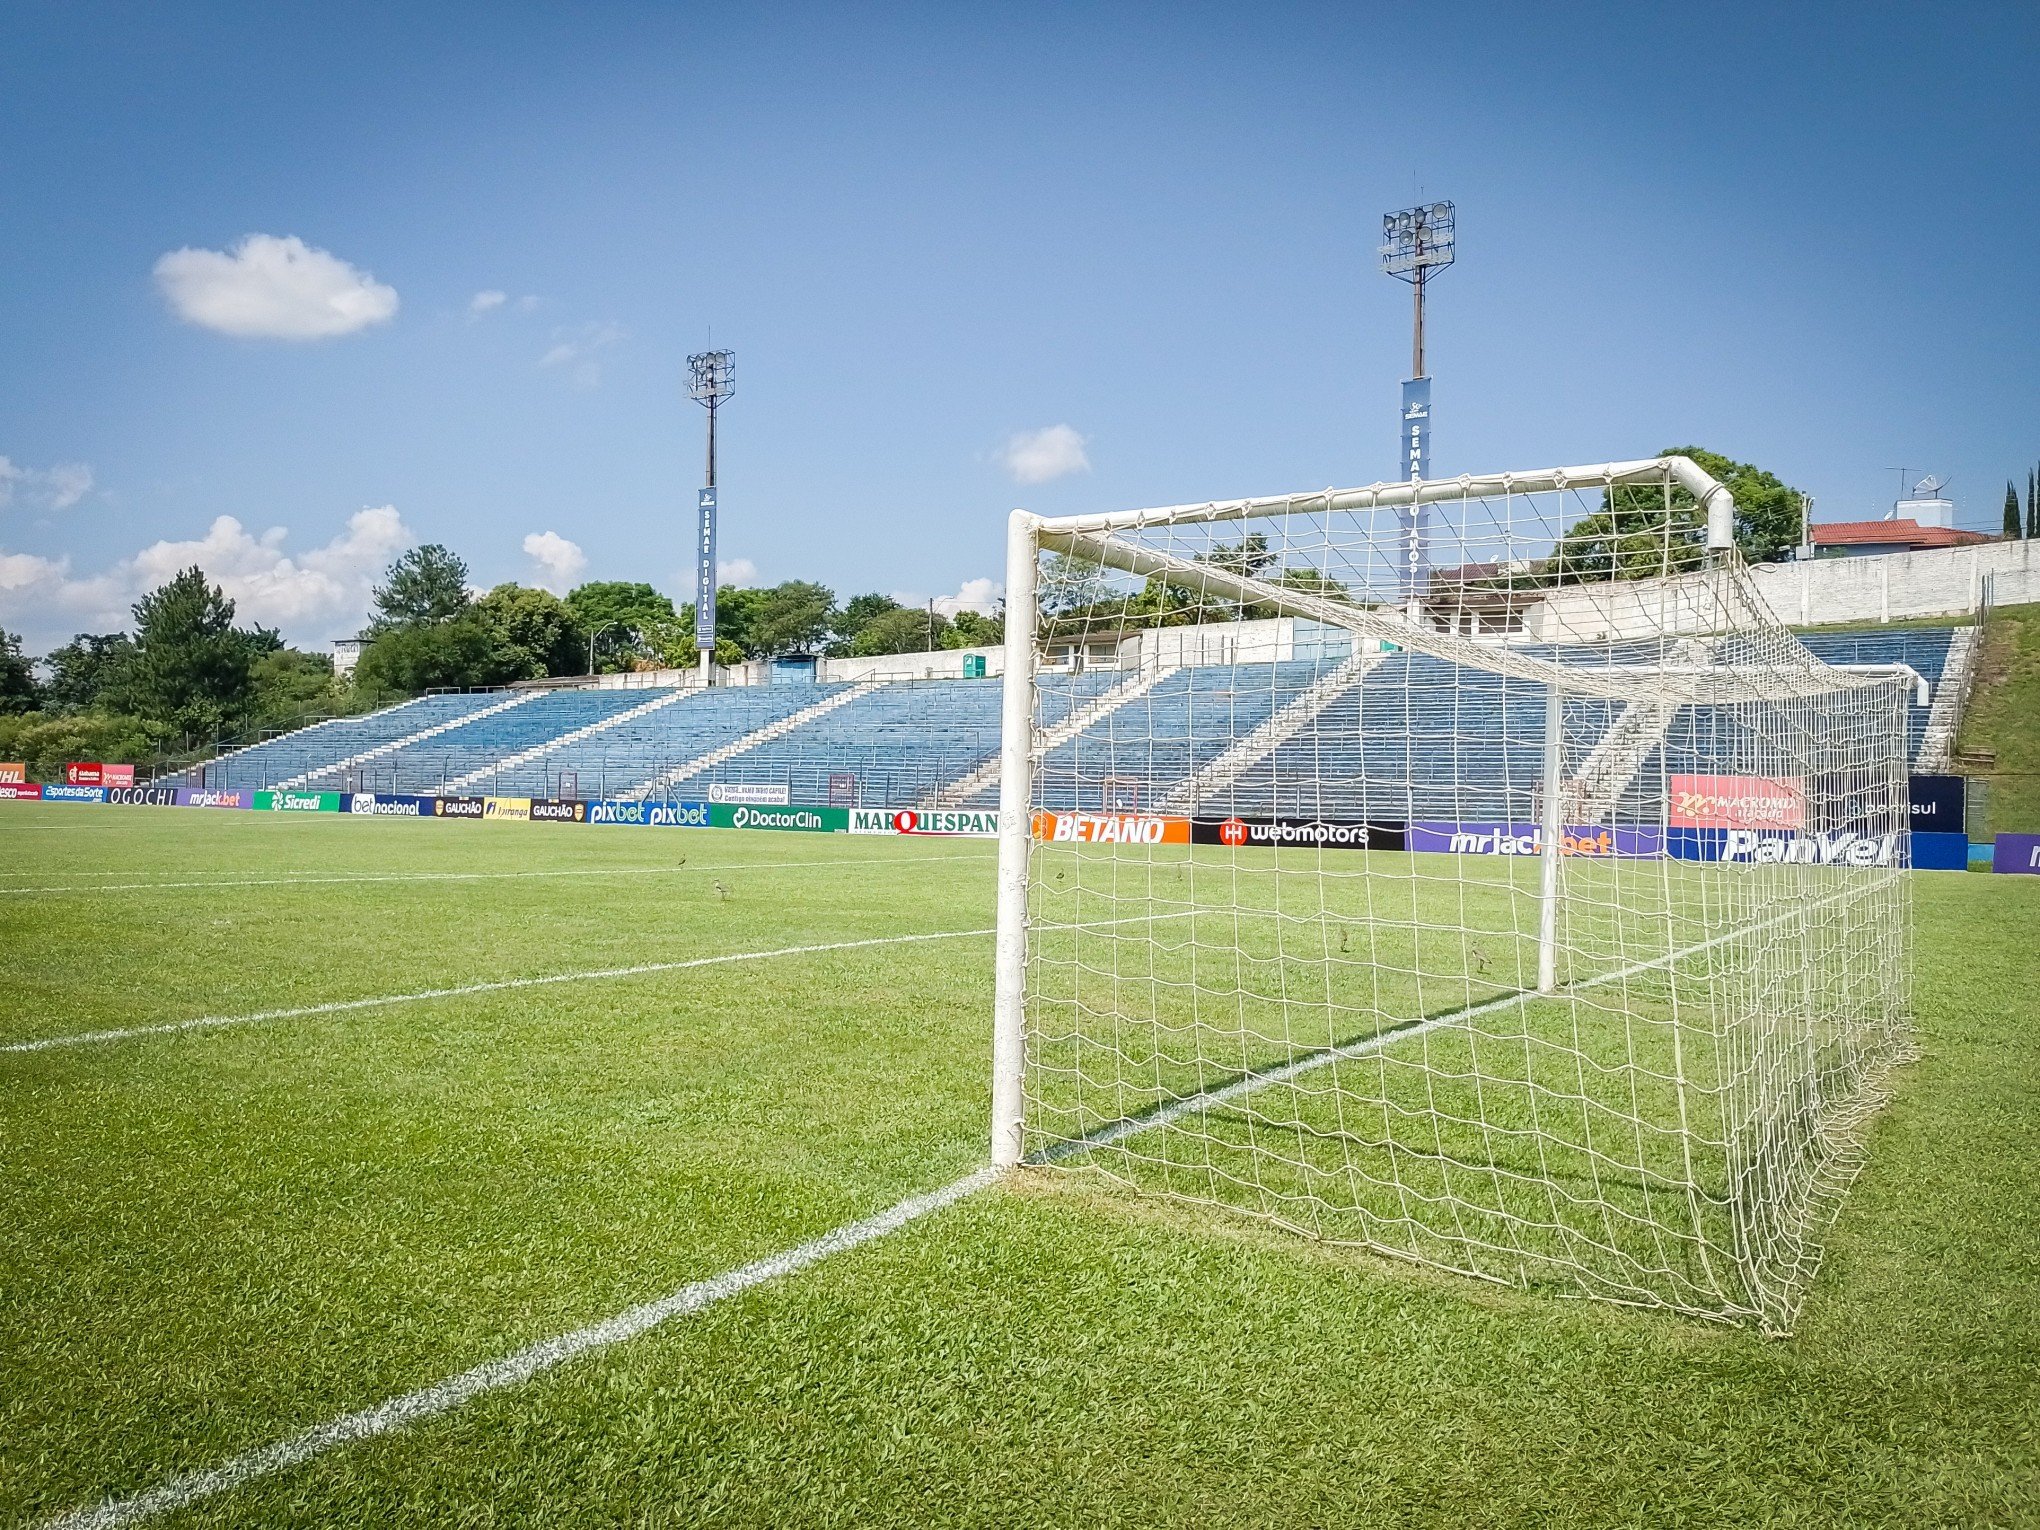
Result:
[
  {"x": 558, "y": 810},
  {"x": 458, "y": 807}
]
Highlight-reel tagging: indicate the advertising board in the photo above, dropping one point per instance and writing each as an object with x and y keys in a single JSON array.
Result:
[
  {"x": 509, "y": 809},
  {"x": 807, "y": 820},
  {"x": 458, "y": 807},
  {"x": 558, "y": 810},
  {"x": 389, "y": 805},
  {"x": 82, "y": 773},
  {"x": 756, "y": 793},
  {"x": 134, "y": 796},
  {"x": 1937, "y": 803},
  {"x": 76, "y": 793},
  {"x": 2018, "y": 854},
  {"x": 1597, "y": 841},
  {"x": 1940, "y": 852},
  {"x": 620, "y": 812},
  {"x": 1111, "y": 828},
  {"x": 678, "y": 815},
  {"x": 19, "y": 791},
  {"x": 1737, "y": 802},
  {"x": 200, "y": 797},
  {"x": 1301, "y": 833},
  {"x": 13, "y": 773},
  {"x": 297, "y": 802},
  {"x": 955, "y": 823},
  {"x": 1772, "y": 847}
]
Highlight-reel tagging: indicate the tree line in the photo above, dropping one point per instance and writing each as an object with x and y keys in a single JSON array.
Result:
[
  {"x": 2015, "y": 528},
  {"x": 187, "y": 680}
]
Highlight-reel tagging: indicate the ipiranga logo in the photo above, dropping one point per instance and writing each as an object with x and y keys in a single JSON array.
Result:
[
  {"x": 1111, "y": 828},
  {"x": 1840, "y": 848}
]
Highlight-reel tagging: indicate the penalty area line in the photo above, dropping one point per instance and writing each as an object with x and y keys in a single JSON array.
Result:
[{"x": 411, "y": 1407}]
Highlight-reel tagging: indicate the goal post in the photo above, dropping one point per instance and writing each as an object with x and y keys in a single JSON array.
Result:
[{"x": 1555, "y": 933}]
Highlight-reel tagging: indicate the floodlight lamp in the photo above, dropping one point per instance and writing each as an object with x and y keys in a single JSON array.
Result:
[
  {"x": 711, "y": 376},
  {"x": 1417, "y": 240}
]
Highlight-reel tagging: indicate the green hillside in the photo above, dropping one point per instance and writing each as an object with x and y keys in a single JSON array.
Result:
[{"x": 2002, "y": 722}]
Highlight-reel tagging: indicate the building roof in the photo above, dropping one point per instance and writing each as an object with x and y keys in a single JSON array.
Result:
[{"x": 1893, "y": 533}]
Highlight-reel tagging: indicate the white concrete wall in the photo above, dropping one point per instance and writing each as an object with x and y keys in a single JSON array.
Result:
[{"x": 942, "y": 664}]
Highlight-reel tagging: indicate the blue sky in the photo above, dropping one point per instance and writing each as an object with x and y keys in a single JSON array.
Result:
[{"x": 1804, "y": 235}]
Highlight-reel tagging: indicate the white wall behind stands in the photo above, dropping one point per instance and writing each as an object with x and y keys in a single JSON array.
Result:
[{"x": 1942, "y": 581}]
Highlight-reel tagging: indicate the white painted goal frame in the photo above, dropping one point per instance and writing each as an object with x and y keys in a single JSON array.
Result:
[{"x": 1736, "y": 1018}]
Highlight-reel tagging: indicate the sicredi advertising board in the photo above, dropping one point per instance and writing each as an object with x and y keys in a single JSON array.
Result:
[
  {"x": 2018, "y": 854},
  {"x": 1596, "y": 841},
  {"x": 297, "y": 802},
  {"x": 950, "y": 822},
  {"x": 756, "y": 794},
  {"x": 1297, "y": 833},
  {"x": 1737, "y": 802},
  {"x": 809, "y": 820}
]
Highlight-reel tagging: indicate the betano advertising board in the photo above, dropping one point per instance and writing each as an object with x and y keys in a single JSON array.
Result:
[{"x": 1111, "y": 828}]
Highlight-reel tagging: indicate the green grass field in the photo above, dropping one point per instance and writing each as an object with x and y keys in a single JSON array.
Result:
[{"x": 217, "y": 1238}]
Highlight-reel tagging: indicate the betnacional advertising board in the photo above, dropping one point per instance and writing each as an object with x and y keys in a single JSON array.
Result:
[
  {"x": 1738, "y": 802},
  {"x": 388, "y": 805}
]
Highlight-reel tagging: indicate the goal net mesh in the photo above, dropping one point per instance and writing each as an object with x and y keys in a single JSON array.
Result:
[{"x": 1495, "y": 884}]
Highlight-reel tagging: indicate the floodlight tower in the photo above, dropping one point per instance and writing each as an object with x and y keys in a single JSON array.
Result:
[
  {"x": 711, "y": 378},
  {"x": 1414, "y": 243}
]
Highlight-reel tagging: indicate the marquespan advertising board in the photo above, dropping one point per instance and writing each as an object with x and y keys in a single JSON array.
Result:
[
  {"x": 948, "y": 822},
  {"x": 1594, "y": 841},
  {"x": 1297, "y": 833}
]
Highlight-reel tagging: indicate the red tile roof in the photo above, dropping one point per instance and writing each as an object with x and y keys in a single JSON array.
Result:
[{"x": 1907, "y": 533}]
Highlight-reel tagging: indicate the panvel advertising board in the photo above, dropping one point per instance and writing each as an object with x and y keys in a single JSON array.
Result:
[
  {"x": 1597, "y": 840},
  {"x": 1738, "y": 802},
  {"x": 1754, "y": 847},
  {"x": 938, "y": 821}
]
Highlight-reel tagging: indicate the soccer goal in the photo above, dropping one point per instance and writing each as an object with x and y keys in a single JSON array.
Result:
[{"x": 1509, "y": 891}]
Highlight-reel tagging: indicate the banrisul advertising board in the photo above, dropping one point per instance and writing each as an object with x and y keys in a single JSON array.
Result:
[
  {"x": 937, "y": 821},
  {"x": 298, "y": 802},
  {"x": 811, "y": 820},
  {"x": 1307, "y": 833}
]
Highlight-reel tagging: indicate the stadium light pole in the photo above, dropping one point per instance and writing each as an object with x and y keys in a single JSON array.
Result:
[
  {"x": 612, "y": 622},
  {"x": 711, "y": 379},
  {"x": 1415, "y": 242}
]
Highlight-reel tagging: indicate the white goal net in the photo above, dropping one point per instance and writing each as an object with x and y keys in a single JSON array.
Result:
[{"x": 1475, "y": 872}]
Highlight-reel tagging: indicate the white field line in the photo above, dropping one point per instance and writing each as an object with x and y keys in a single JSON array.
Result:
[
  {"x": 477, "y": 876},
  {"x": 401, "y": 1412},
  {"x": 344, "y": 1006},
  {"x": 411, "y": 1407}
]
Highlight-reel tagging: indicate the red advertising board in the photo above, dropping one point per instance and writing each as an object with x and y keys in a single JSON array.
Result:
[
  {"x": 82, "y": 773},
  {"x": 1738, "y": 802},
  {"x": 19, "y": 791},
  {"x": 116, "y": 775}
]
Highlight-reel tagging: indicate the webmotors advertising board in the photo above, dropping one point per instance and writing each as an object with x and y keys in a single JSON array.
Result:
[
  {"x": 2018, "y": 854},
  {"x": 1737, "y": 802},
  {"x": 1297, "y": 833},
  {"x": 458, "y": 807},
  {"x": 508, "y": 809},
  {"x": 1937, "y": 804},
  {"x": 1597, "y": 841},
  {"x": 297, "y": 802},
  {"x": 19, "y": 791},
  {"x": 558, "y": 810},
  {"x": 200, "y": 797},
  {"x": 1111, "y": 828},
  {"x": 809, "y": 820},
  {"x": 955, "y": 822},
  {"x": 388, "y": 805},
  {"x": 755, "y": 793}
]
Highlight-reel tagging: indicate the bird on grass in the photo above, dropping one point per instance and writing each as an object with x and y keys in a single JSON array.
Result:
[
  {"x": 722, "y": 893},
  {"x": 1480, "y": 958}
]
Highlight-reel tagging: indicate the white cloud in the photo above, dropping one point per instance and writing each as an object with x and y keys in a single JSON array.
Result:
[
  {"x": 273, "y": 289},
  {"x": 311, "y": 596},
  {"x": 735, "y": 571},
  {"x": 560, "y": 563},
  {"x": 57, "y": 488},
  {"x": 979, "y": 595},
  {"x": 1036, "y": 456},
  {"x": 482, "y": 302},
  {"x": 575, "y": 347}
]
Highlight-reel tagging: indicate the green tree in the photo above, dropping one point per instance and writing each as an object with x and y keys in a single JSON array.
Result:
[
  {"x": 2014, "y": 523},
  {"x": 1069, "y": 585},
  {"x": 971, "y": 629},
  {"x": 427, "y": 584},
  {"x": 793, "y": 617},
  {"x": 19, "y": 689},
  {"x": 535, "y": 634},
  {"x": 191, "y": 668},
  {"x": 44, "y": 743},
  {"x": 737, "y": 611},
  {"x": 858, "y": 613},
  {"x": 291, "y": 687},
  {"x": 901, "y": 630},
  {"x": 87, "y": 666},
  {"x": 423, "y": 656},
  {"x": 632, "y": 613},
  {"x": 1641, "y": 531},
  {"x": 2033, "y": 504}
]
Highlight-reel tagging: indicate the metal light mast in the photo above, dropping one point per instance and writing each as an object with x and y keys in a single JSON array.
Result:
[
  {"x": 1414, "y": 243},
  {"x": 711, "y": 379}
]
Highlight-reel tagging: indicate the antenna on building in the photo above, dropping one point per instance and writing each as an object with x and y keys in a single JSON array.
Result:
[
  {"x": 711, "y": 380},
  {"x": 1414, "y": 243}
]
